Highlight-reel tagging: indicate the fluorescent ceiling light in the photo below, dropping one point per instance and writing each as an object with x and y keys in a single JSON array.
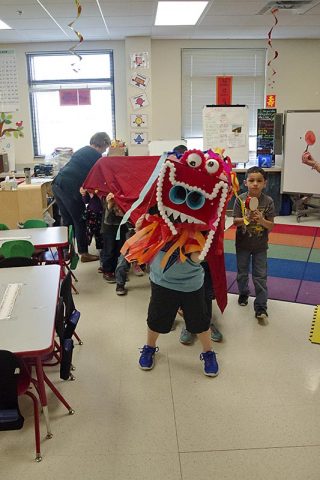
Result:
[
  {"x": 179, "y": 13},
  {"x": 4, "y": 26}
]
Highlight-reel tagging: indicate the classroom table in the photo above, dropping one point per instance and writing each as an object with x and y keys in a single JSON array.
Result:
[
  {"x": 29, "y": 331},
  {"x": 49, "y": 237}
]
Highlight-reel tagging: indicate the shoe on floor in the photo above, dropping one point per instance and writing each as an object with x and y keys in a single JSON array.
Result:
[
  {"x": 210, "y": 364},
  {"x": 186, "y": 337},
  {"x": 137, "y": 270},
  {"x": 261, "y": 315},
  {"x": 121, "y": 290},
  {"x": 216, "y": 335},
  {"x": 109, "y": 277},
  {"x": 88, "y": 257},
  {"x": 243, "y": 300},
  {"x": 146, "y": 360}
]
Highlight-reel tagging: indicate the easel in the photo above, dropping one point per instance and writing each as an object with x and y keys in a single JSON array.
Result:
[{"x": 305, "y": 205}]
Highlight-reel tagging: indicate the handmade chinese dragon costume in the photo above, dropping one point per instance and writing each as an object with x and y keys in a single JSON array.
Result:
[{"x": 186, "y": 204}]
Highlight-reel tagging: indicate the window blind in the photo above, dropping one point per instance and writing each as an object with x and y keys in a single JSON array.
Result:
[{"x": 200, "y": 67}]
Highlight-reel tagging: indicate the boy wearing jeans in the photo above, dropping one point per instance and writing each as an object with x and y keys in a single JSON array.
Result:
[{"x": 252, "y": 240}]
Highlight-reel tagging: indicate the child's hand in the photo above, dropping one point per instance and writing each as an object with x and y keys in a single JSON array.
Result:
[
  {"x": 139, "y": 222},
  {"x": 110, "y": 197},
  {"x": 308, "y": 159},
  {"x": 257, "y": 216},
  {"x": 83, "y": 191},
  {"x": 195, "y": 257}
]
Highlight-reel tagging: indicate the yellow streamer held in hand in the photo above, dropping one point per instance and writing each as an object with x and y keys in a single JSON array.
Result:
[
  {"x": 79, "y": 35},
  {"x": 236, "y": 188}
]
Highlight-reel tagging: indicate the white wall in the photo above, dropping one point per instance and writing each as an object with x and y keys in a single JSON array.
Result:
[{"x": 297, "y": 82}]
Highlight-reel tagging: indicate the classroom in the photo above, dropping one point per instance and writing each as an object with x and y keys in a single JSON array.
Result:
[{"x": 73, "y": 70}]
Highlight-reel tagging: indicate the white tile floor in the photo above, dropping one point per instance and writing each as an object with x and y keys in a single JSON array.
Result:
[{"x": 258, "y": 420}]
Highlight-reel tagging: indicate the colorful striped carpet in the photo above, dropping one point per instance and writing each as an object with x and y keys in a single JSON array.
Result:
[{"x": 293, "y": 263}]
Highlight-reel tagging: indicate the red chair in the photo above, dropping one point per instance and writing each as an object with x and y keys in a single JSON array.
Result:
[{"x": 15, "y": 380}]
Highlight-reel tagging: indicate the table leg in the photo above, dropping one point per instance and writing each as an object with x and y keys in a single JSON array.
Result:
[{"x": 43, "y": 395}]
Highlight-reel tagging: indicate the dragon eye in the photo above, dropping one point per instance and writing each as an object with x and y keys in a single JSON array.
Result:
[
  {"x": 194, "y": 160},
  {"x": 212, "y": 166},
  {"x": 195, "y": 200},
  {"x": 177, "y": 194}
]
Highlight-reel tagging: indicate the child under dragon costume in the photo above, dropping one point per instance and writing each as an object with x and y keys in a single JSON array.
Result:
[{"x": 191, "y": 196}]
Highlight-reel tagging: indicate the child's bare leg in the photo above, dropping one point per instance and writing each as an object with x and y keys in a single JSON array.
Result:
[
  {"x": 152, "y": 338},
  {"x": 205, "y": 339}
]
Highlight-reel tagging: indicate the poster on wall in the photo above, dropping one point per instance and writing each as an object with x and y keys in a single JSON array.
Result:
[
  {"x": 139, "y": 81},
  {"x": 139, "y": 60},
  {"x": 75, "y": 96},
  {"x": 139, "y": 101},
  {"x": 139, "y": 138},
  {"x": 265, "y": 136},
  {"x": 224, "y": 90},
  {"x": 9, "y": 95},
  {"x": 138, "y": 120}
]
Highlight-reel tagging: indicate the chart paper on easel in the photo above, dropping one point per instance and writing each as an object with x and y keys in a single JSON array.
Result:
[{"x": 227, "y": 127}]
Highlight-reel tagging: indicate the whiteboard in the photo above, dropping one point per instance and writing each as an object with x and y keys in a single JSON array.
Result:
[
  {"x": 227, "y": 127},
  {"x": 297, "y": 177}
]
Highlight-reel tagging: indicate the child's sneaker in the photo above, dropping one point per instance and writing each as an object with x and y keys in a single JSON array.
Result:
[
  {"x": 121, "y": 290},
  {"x": 216, "y": 335},
  {"x": 137, "y": 270},
  {"x": 146, "y": 360},
  {"x": 210, "y": 365},
  {"x": 185, "y": 337},
  {"x": 261, "y": 315},
  {"x": 109, "y": 277},
  {"x": 243, "y": 300}
]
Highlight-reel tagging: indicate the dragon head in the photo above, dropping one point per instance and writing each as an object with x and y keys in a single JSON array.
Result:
[{"x": 192, "y": 190}]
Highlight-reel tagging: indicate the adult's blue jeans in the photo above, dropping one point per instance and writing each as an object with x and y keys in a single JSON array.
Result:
[
  {"x": 259, "y": 275},
  {"x": 72, "y": 209}
]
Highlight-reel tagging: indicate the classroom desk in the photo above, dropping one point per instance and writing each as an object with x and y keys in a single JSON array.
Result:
[
  {"x": 40, "y": 237},
  {"x": 50, "y": 237},
  {"x": 29, "y": 332}
]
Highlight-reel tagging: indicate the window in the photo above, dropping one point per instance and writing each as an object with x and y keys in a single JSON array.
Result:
[
  {"x": 199, "y": 70},
  {"x": 70, "y": 99}
]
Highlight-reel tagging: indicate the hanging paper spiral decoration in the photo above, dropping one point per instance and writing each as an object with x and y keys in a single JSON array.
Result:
[
  {"x": 271, "y": 80},
  {"x": 79, "y": 35}
]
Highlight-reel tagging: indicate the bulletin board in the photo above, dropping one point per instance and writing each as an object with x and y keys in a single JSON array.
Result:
[
  {"x": 227, "y": 126},
  {"x": 296, "y": 176}
]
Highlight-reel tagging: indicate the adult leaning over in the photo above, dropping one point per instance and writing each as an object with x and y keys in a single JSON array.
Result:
[{"x": 66, "y": 189}]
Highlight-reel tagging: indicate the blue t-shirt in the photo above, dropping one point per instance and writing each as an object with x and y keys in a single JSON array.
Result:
[{"x": 185, "y": 276}]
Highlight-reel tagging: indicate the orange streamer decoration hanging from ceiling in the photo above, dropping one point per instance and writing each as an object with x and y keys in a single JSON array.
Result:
[
  {"x": 272, "y": 71},
  {"x": 79, "y": 35}
]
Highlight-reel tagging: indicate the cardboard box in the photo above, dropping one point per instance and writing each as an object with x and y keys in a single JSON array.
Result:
[{"x": 117, "y": 151}]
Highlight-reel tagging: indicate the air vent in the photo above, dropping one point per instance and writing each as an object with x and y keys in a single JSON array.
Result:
[{"x": 294, "y": 6}]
